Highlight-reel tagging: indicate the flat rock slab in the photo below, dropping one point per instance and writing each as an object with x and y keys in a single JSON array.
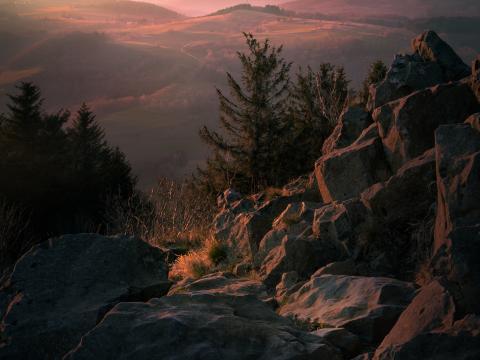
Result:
[
  {"x": 60, "y": 289},
  {"x": 365, "y": 306},
  {"x": 207, "y": 327}
]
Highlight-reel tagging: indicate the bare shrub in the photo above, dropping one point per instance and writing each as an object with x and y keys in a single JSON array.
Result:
[
  {"x": 14, "y": 235},
  {"x": 171, "y": 214}
]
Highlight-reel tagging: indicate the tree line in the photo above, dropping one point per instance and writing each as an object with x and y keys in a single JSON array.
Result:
[{"x": 56, "y": 170}]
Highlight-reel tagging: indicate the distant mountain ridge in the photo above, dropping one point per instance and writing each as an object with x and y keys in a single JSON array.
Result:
[{"x": 408, "y": 8}]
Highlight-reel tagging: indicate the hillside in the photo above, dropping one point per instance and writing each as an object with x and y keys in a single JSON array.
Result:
[
  {"x": 137, "y": 9},
  {"x": 408, "y": 8}
]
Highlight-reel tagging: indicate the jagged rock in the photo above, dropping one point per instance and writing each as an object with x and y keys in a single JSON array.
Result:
[
  {"x": 294, "y": 221},
  {"x": 351, "y": 124},
  {"x": 408, "y": 195},
  {"x": 305, "y": 187},
  {"x": 432, "y": 48},
  {"x": 365, "y": 306},
  {"x": 407, "y": 126},
  {"x": 346, "y": 267},
  {"x": 407, "y": 74},
  {"x": 221, "y": 283},
  {"x": 431, "y": 310},
  {"x": 460, "y": 342},
  {"x": 60, "y": 289},
  {"x": 457, "y": 228},
  {"x": 228, "y": 197},
  {"x": 244, "y": 226},
  {"x": 199, "y": 327},
  {"x": 303, "y": 254},
  {"x": 338, "y": 224},
  {"x": 363, "y": 161},
  {"x": 474, "y": 121},
  {"x": 476, "y": 77},
  {"x": 342, "y": 339},
  {"x": 288, "y": 281}
]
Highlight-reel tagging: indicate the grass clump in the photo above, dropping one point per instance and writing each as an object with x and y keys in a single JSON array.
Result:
[{"x": 212, "y": 256}]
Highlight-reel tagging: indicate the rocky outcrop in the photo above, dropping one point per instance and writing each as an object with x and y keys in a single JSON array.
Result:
[
  {"x": 407, "y": 126},
  {"x": 351, "y": 124},
  {"x": 61, "y": 289},
  {"x": 363, "y": 161},
  {"x": 199, "y": 327},
  {"x": 432, "y": 48},
  {"x": 433, "y": 62},
  {"x": 408, "y": 73},
  {"x": 457, "y": 228},
  {"x": 365, "y": 306}
]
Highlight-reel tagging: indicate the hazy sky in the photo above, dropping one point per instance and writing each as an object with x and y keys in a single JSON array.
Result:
[{"x": 202, "y": 7}]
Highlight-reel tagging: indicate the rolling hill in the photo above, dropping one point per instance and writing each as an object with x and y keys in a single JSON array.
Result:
[{"x": 408, "y": 8}]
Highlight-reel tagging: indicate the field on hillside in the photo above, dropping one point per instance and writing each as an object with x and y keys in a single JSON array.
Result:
[{"x": 152, "y": 78}]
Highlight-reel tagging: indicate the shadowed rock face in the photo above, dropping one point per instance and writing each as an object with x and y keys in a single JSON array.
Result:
[
  {"x": 457, "y": 228},
  {"x": 199, "y": 327},
  {"x": 407, "y": 126},
  {"x": 60, "y": 289}
]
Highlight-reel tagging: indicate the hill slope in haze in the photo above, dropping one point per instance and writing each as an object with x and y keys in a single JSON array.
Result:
[{"x": 409, "y": 8}]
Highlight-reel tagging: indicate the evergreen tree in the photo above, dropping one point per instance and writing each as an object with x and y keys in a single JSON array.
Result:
[
  {"x": 252, "y": 119},
  {"x": 376, "y": 74}
]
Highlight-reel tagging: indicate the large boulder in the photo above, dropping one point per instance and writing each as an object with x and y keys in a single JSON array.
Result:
[
  {"x": 407, "y": 126},
  {"x": 432, "y": 309},
  {"x": 363, "y": 161},
  {"x": 61, "y": 289},
  {"x": 365, "y": 306},
  {"x": 407, "y": 74},
  {"x": 199, "y": 327},
  {"x": 351, "y": 124},
  {"x": 460, "y": 342},
  {"x": 432, "y": 48},
  {"x": 457, "y": 228}
]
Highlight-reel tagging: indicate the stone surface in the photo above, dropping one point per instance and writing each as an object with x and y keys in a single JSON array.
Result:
[
  {"x": 460, "y": 342},
  {"x": 407, "y": 126},
  {"x": 432, "y": 48},
  {"x": 474, "y": 121},
  {"x": 346, "y": 267},
  {"x": 338, "y": 224},
  {"x": 432, "y": 309},
  {"x": 60, "y": 289},
  {"x": 351, "y": 124},
  {"x": 363, "y": 161},
  {"x": 408, "y": 195},
  {"x": 221, "y": 284},
  {"x": 303, "y": 254},
  {"x": 407, "y": 74},
  {"x": 365, "y": 306},
  {"x": 457, "y": 227},
  {"x": 342, "y": 339},
  {"x": 199, "y": 327}
]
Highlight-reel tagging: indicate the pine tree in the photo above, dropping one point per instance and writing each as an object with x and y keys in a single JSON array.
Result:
[{"x": 252, "y": 120}]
